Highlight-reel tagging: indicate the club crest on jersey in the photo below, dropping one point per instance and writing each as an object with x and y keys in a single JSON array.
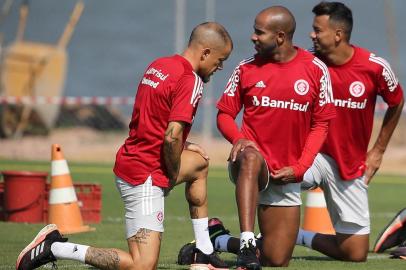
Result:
[
  {"x": 301, "y": 87},
  {"x": 357, "y": 89},
  {"x": 160, "y": 216}
]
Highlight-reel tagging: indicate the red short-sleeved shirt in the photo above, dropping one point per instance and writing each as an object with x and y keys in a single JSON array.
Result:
[
  {"x": 169, "y": 91},
  {"x": 356, "y": 85},
  {"x": 280, "y": 100}
]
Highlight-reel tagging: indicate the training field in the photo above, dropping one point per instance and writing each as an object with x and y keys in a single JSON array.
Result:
[{"x": 387, "y": 197}]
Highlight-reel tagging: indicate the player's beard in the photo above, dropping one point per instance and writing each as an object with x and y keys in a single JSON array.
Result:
[
  {"x": 206, "y": 79},
  {"x": 266, "y": 51}
]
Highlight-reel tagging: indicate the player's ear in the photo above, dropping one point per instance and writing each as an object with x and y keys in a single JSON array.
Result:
[
  {"x": 205, "y": 54},
  {"x": 339, "y": 35},
  {"x": 280, "y": 37}
]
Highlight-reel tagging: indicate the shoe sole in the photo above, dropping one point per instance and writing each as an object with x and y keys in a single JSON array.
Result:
[
  {"x": 248, "y": 268},
  {"x": 205, "y": 267},
  {"x": 40, "y": 237},
  {"x": 397, "y": 222}
]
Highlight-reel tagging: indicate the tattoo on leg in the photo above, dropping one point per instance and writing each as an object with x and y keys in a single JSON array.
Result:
[
  {"x": 141, "y": 237},
  {"x": 103, "y": 258}
]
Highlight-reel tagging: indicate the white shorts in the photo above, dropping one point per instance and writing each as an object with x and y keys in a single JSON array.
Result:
[
  {"x": 347, "y": 201},
  {"x": 144, "y": 206},
  {"x": 276, "y": 195}
]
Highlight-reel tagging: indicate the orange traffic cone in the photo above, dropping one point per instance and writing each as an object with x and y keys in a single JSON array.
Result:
[
  {"x": 316, "y": 217},
  {"x": 63, "y": 204}
]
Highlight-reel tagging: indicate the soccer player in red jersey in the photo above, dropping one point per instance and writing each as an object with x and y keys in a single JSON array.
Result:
[
  {"x": 154, "y": 158},
  {"x": 286, "y": 97},
  {"x": 345, "y": 166}
]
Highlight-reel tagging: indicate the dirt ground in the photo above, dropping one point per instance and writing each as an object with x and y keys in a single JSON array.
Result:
[{"x": 87, "y": 145}]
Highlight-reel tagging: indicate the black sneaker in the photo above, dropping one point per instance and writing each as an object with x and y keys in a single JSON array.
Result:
[
  {"x": 38, "y": 252},
  {"x": 216, "y": 228},
  {"x": 399, "y": 252},
  {"x": 393, "y": 234},
  {"x": 185, "y": 256},
  {"x": 203, "y": 261},
  {"x": 247, "y": 257}
]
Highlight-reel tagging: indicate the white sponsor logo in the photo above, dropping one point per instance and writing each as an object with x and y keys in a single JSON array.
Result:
[
  {"x": 234, "y": 80},
  {"x": 157, "y": 73},
  {"x": 149, "y": 82},
  {"x": 326, "y": 92},
  {"x": 350, "y": 104},
  {"x": 301, "y": 87},
  {"x": 266, "y": 101},
  {"x": 390, "y": 81},
  {"x": 357, "y": 89},
  {"x": 231, "y": 86},
  {"x": 260, "y": 84},
  {"x": 387, "y": 73}
]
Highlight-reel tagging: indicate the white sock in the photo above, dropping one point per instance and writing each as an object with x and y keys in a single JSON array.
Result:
[
  {"x": 245, "y": 237},
  {"x": 70, "y": 251},
  {"x": 201, "y": 229},
  {"x": 221, "y": 242},
  {"x": 305, "y": 238}
]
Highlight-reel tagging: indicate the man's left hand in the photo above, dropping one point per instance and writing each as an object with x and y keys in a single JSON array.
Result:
[
  {"x": 283, "y": 176},
  {"x": 373, "y": 162}
]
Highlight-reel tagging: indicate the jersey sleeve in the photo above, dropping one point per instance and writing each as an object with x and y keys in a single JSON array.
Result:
[
  {"x": 388, "y": 84},
  {"x": 230, "y": 102},
  {"x": 323, "y": 106},
  {"x": 185, "y": 97}
]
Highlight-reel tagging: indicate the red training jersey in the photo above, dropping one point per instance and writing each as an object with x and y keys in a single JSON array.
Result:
[
  {"x": 169, "y": 91},
  {"x": 356, "y": 85},
  {"x": 280, "y": 102}
]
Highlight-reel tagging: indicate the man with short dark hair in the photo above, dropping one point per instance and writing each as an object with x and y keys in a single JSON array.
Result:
[
  {"x": 345, "y": 166},
  {"x": 154, "y": 158}
]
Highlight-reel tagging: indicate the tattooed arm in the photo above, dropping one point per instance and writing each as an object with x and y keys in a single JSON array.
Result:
[{"x": 172, "y": 150}]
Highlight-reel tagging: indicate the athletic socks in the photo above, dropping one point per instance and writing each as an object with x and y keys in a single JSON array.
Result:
[
  {"x": 202, "y": 237},
  {"x": 69, "y": 251},
  {"x": 305, "y": 238},
  {"x": 245, "y": 237}
]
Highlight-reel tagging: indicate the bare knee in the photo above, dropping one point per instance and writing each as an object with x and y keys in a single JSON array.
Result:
[
  {"x": 138, "y": 263},
  {"x": 275, "y": 262},
  {"x": 356, "y": 255},
  {"x": 353, "y": 248},
  {"x": 249, "y": 158}
]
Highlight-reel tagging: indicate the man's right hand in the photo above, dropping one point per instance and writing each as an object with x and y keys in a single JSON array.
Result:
[{"x": 239, "y": 146}]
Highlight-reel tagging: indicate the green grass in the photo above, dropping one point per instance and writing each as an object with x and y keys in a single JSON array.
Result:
[{"x": 387, "y": 197}]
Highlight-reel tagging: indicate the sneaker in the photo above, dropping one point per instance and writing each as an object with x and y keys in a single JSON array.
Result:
[
  {"x": 393, "y": 234},
  {"x": 399, "y": 252},
  {"x": 247, "y": 258},
  {"x": 38, "y": 252},
  {"x": 185, "y": 256},
  {"x": 203, "y": 261},
  {"x": 216, "y": 228}
]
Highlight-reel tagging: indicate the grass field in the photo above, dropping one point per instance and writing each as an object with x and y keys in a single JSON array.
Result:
[{"x": 387, "y": 197}]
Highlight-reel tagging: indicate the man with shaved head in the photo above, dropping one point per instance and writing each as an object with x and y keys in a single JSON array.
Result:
[
  {"x": 153, "y": 159},
  {"x": 286, "y": 98}
]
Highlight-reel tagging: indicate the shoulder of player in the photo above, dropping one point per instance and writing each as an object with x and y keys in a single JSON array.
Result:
[{"x": 248, "y": 62}]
